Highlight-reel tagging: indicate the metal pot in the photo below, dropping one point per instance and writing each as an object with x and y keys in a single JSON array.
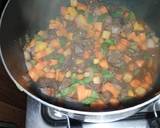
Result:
[{"x": 21, "y": 17}]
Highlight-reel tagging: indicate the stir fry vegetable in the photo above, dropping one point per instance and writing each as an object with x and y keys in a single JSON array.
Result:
[{"x": 97, "y": 55}]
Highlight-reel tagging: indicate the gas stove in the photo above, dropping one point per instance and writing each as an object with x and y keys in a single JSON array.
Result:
[{"x": 40, "y": 116}]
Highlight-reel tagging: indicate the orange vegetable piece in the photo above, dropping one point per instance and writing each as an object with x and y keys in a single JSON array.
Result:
[
  {"x": 69, "y": 35},
  {"x": 33, "y": 74},
  {"x": 148, "y": 78},
  {"x": 40, "y": 65},
  {"x": 53, "y": 62},
  {"x": 145, "y": 85},
  {"x": 40, "y": 54},
  {"x": 98, "y": 54},
  {"x": 98, "y": 104},
  {"x": 63, "y": 10},
  {"x": 50, "y": 75},
  {"x": 97, "y": 34},
  {"x": 119, "y": 77},
  {"x": 122, "y": 45},
  {"x": 61, "y": 31},
  {"x": 61, "y": 76},
  {"x": 112, "y": 47},
  {"x": 114, "y": 101},
  {"x": 111, "y": 88},
  {"x": 61, "y": 51},
  {"x": 32, "y": 43},
  {"x": 135, "y": 83},
  {"x": 83, "y": 92},
  {"x": 132, "y": 66},
  {"x": 132, "y": 36},
  {"x": 142, "y": 46},
  {"x": 98, "y": 26},
  {"x": 124, "y": 42},
  {"x": 104, "y": 64},
  {"x": 142, "y": 37},
  {"x": 103, "y": 10},
  {"x": 55, "y": 44},
  {"x": 127, "y": 59},
  {"x": 140, "y": 63},
  {"x": 81, "y": 6},
  {"x": 86, "y": 55},
  {"x": 55, "y": 24}
]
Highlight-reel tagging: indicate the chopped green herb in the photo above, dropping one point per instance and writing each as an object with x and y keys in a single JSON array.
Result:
[
  {"x": 88, "y": 100},
  {"x": 133, "y": 46},
  {"x": 33, "y": 62},
  {"x": 58, "y": 57},
  {"x": 106, "y": 44},
  {"x": 102, "y": 17},
  {"x": 49, "y": 57},
  {"x": 74, "y": 78},
  {"x": 27, "y": 38},
  {"x": 38, "y": 38},
  {"x": 86, "y": 80},
  {"x": 131, "y": 16},
  {"x": 117, "y": 13},
  {"x": 136, "y": 72},
  {"x": 63, "y": 41},
  {"x": 107, "y": 75},
  {"x": 131, "y": 50},
  {"x": 146, "y": 56},
  {"x": 67, "y": 91},
  {"x": 94, "y": 96},
  {"x": 81, "y": 12},
  {"x": 122, "y": 67},
  {"x": 90, "y": 18},
  {"x": 95, "y": 68}
]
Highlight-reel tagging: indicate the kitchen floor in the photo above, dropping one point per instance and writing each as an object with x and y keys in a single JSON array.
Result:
[{"x": 12, "y": 103}]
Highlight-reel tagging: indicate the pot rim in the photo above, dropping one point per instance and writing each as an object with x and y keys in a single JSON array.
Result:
[{"x": 65, "y": 109}]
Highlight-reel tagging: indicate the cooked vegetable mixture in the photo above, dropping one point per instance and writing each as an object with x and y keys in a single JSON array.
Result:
[{"x": 94, "y": 54}]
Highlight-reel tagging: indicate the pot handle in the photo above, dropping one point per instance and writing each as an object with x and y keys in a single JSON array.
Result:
[
  {"x": 60, "y": 114},
  {"x": 155, "y": 123}
]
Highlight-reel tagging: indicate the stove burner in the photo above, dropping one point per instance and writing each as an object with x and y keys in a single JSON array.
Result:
[
  {"x": 48, "y": 115},
  {"x": 40, "y": 116}
]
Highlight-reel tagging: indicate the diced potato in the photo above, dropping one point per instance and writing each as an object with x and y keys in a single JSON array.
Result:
[
  {"x": 86, "y": 74},
  {"x": 98, "y": 26},
  {"x": 138, "y": 26},
  {"x": 79, "y": 61},
  {"x": 27, "y": 55},
  {"x": 140, "y": 91},
  {"x": 40, "y": 46},
  {"x": 72, "y": 11},
  {"x": 131, "y": 93},
  {"x": 96, "y": 80},
  {"x": 127, "y": 77},
  {"x": 42, "y": 33},
  {"x": 80, "y": 76},
  {"x": 68, "y": 74},
  {"x": 81, "y": 21},
  {"x": 74, "y": 3},
  {"x": 106, "y": 34},
  {"x": 49, "y": 50},
  {"x": 96, "y": 61},
  {"x": 67, "y": 52},
  {"x": 155, "y": 39}
]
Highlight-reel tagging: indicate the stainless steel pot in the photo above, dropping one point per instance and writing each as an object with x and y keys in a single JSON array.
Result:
[{"x": 21, "y": 17}]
